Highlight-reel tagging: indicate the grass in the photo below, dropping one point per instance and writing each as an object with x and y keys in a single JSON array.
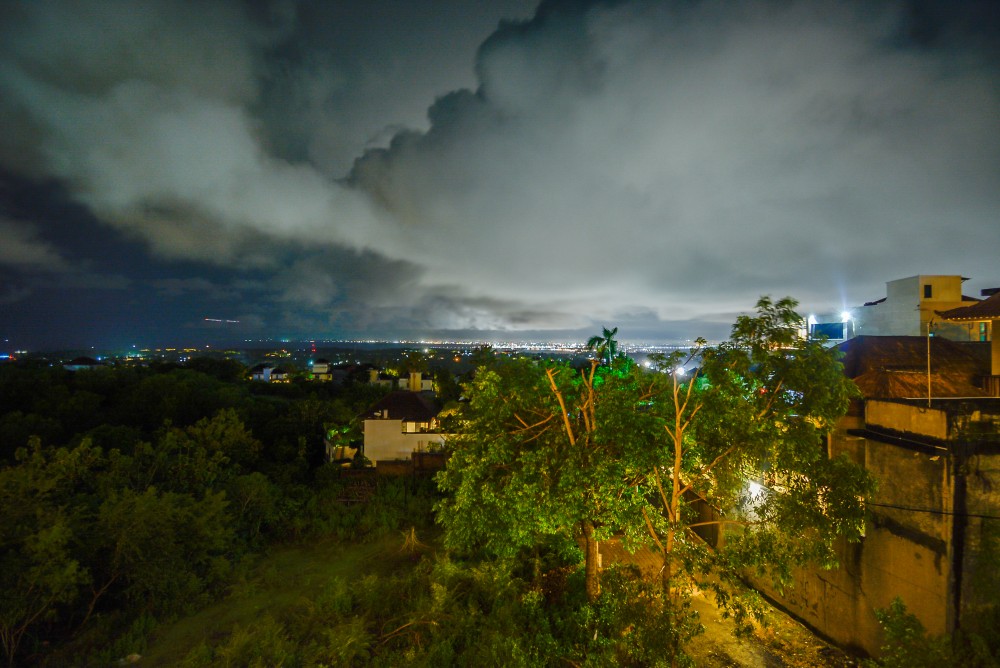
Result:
[{"x": 276, "y": 583}]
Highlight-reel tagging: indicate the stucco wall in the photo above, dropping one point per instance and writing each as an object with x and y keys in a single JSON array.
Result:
[
  {"x": 906, "y": 312},
  {"x": 384, "y": 440}
]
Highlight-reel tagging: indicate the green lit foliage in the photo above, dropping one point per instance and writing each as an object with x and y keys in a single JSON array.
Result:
[
  {"x": 483, "y": 355},
  {"x": 164, "y": 549},
  {"x": 446, "y": 387},
  {"x": 442, "y": 612},
  {"x": 604, "y": 345},
  {"x": 744, "y": 457},
  {"x": 414, "y": 362},
  {"x": 147, "y": 487},
  {"x": 906, "y": 642},
  {"x": 543, "y": 451},
  {"x": 86, "y": 532}
]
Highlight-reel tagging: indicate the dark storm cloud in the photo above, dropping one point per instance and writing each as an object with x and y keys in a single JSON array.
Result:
[
  {"x": 356, "y": 73},
  {"x": 22, "y": 248},
  {"x": 659, "y": 164},
  {"x": 691, "y": 156},
  {"x": 213, "y": 131},
  {"x": 29, "y": 263}
]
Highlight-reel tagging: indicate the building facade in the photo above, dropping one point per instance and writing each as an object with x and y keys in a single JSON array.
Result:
[{"x": 910, "y": 308}]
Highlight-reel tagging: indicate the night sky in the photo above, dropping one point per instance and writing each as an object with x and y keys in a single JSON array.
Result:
[{"x": 469, "y": 169}]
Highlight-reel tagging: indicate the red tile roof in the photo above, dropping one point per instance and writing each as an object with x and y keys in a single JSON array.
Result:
[
  {"x": 909, "y": 353},
  {"x": 988, "y": 309},
  {"x": 887, "y": 384},
  {"x": 895, "y": 367}
]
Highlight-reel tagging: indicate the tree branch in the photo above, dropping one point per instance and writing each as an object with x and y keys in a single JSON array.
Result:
[
  {"x": 705, "y": 471},
  {"x": 770, "y": 400},
  {"x": 652, "y": 532},
  {"x": 562, "y": 404}
]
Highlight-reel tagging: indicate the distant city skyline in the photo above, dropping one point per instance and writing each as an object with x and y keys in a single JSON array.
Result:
[{"x": 483, "y": 171}]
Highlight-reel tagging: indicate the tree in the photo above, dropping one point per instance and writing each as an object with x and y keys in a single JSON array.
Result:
[
  {"x": 657, "y": 456},
  {"x": 163, "y": 548},
  {"x": 415, "y": 361},
  {"x": 541, "y": 452},
  {"x": 483, "y": 355},
  {"x": 39, "y": 573},
  {"x": 604, "y": 345},
  {"x": 446, "y": 387},
  {"x": 745, "y": 453}
]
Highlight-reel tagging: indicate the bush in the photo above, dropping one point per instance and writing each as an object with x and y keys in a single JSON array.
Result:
[{"x": 907, "y": 644}]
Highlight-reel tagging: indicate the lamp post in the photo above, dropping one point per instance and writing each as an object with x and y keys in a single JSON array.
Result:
[{"x": 929, "y": 323}]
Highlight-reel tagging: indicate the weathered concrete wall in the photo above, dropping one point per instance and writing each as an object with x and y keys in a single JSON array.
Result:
[
  {"x": 904, "y": 553},
  {"x": 900, "y": 417},
  {"x": 981, "y": 554}
]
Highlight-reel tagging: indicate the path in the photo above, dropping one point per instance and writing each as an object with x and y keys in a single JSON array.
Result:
[{"x": 782, "y": 643}]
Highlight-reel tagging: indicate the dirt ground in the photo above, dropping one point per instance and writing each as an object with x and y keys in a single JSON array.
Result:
[{"x": 782, "y": 642}]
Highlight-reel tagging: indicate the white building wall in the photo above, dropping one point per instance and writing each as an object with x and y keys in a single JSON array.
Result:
[
  {"x": 385, "y": 440},
  {"x": 910, "y": 304}
]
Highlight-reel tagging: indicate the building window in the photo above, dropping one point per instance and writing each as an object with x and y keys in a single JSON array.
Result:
[
  {"x": 928, "y": 291},
  {"x": 982, "y": 331}
]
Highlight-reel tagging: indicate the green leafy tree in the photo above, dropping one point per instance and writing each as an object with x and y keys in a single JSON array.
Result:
[
  {"x": 164, "y": 548},
  {"x": 415, "y": 361},
  {"x": 226, "y": 370},
  {"x": 737, "y": 447},
  {"x": 541, "y": 451},
  {"x": 446, "y": 387},
  {"x": 40, "y": 575},
  {"x": 483, "y": 355},
  {"x": 604, "y": 345},
  {"x": 745, "y": 454}
]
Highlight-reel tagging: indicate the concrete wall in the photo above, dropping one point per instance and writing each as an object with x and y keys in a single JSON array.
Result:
[
  {"x": 900, "y": 417},
  {"x": 903, "y": 553},
  {"x": 934, "y": 534},
  {"x": 980, "y": 581}
]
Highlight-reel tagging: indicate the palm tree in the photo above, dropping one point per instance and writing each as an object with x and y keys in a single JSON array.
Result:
[{"x": 604, "y": 345}]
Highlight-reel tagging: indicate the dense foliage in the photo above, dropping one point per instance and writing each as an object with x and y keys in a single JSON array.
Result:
[
  {"x": 549, "y": 453},
  {"x": 137, "y": 493}
]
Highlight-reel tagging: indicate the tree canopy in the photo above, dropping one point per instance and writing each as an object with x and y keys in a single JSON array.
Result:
[{"x": 732, "y": 451}]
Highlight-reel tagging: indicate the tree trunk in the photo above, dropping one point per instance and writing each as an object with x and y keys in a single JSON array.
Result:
[
  {"x": 666, "y": 572},
  {"x": 592, "y": 555}
]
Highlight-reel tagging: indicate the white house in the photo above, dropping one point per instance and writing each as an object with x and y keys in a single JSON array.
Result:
[{"x": 400, "y": 424}]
